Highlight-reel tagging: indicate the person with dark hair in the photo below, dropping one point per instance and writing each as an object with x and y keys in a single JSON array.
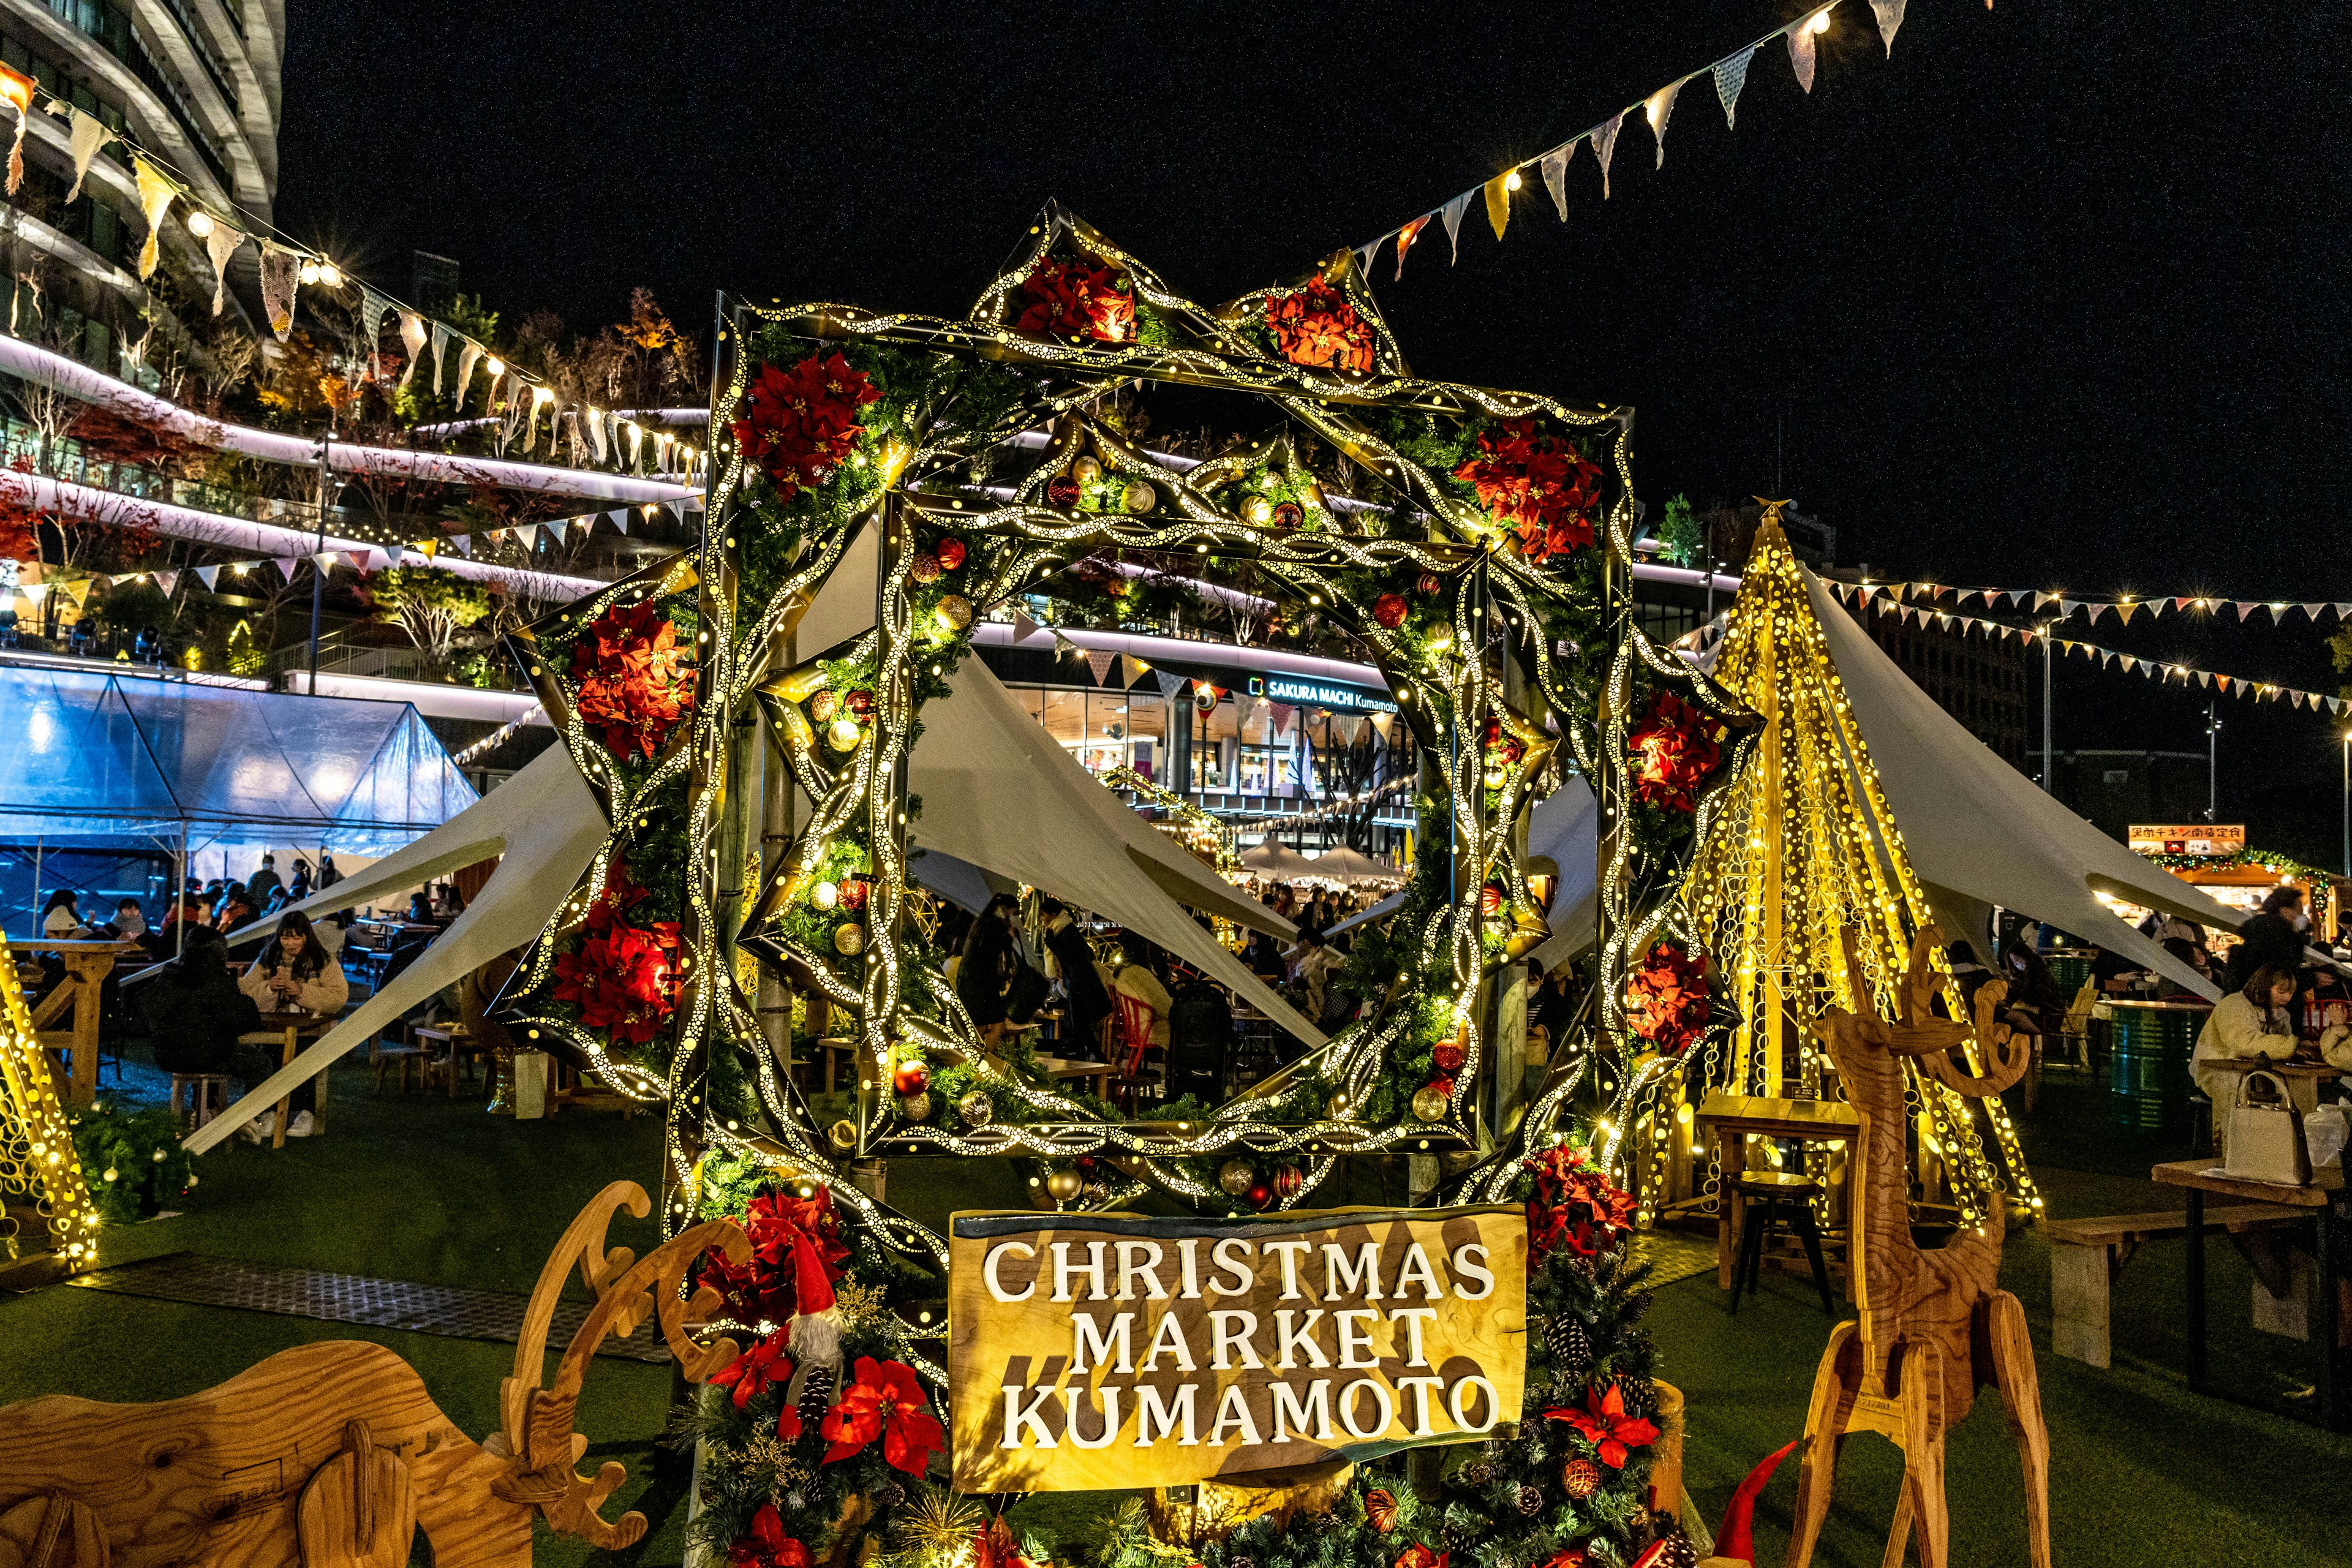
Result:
[
  {"x": 61, "y": 917},
  {"x": 2255, "y": 1020},
  {"x": 294, "y": 974},
  {"x": 1142, "y": 974},
  {"x": 234, "y": 912},
  {"x": 2274, "y": 939},
  {"x": 195, "y": 1011},
  {"x": 1082, "y": 984},
  {"x": 1318, "y": 965},
  {"x": 1263, "y": 956},
  {"x": 299, "y": 889},
  {"x": 2034, "y": 1006},
  {"x": 329, "y": 872},
  {"x": 990, "y": 962},
  {"x": 263, "y": 881}
]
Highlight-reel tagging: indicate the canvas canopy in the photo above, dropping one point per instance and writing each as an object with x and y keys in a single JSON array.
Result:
[
  {"x": 1279, "y": 860},
  {"x": 96, "y": 756},
  {"x": 1350, "y": 865},
  {"x": 1980, "y": 835}
]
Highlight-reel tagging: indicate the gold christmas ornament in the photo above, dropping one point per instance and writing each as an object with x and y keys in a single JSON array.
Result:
[
  {"x": 824, "y": 706},
  {"x": 1257, "y": 509},
  {"x": 916, "y": 1107},
  {"x": 1235, "y": 1177},
  {"x": 1064, "y": 1186},
  {"x": 1429, "y": 1104},
  {"x": 1140, "y": 497},
  {"x": 956, "y": 611},
  {"x": 849, "y": 940},
  {"x": 843, "y": 734},
  {"x": 845, "y": 1134},
  {"x": 975, "y": 1109},
  {"x": 825, "y": 896},
  {"x": 1086, "y": 471}
]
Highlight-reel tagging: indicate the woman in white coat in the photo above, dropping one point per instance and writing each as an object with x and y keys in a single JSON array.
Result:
[{"x": 294, "y": 974}]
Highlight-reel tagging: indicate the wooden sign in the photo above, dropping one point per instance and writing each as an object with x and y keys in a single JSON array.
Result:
[
  {"x": 1093, "y": 1352},
  {"x": 2186, "y": 838}
]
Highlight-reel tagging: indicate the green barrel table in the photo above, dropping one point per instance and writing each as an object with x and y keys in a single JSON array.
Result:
[
  {"x": 2071, "y": 967},
  {"x": 2148, "y": 1048}
]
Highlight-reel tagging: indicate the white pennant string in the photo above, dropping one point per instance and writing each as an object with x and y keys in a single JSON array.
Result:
[
  {"x": 1658, "y": 110},
  {"x": 1555, "y": 176},
  {"x": 1604, "y": 147},
  {"x": 1452, "y": 216},
  {"x": 1890, "y": 16},
  {"x": 1730, "y": 76},
  {"x": 1801, "y": 52}
]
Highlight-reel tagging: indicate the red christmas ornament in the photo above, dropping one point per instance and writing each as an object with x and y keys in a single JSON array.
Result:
[
  {"x": 912, "y": 1076},
  {"x": 1579, "y": 1478},
  {"x": 1289, "y": 514},
  {"x": 1447, "y": 1057},
  {"x": 1427, "y": 584},
  {"x": 1388, "y": 610},
  {"x": 1086, "y": 1164},
  {"x": 851, "y": 894},
  {"x": 951, "y": 554},
  {"x": 861, "y": 703},
  {"x": 1287, "y": 1180},
  {"x": 1062, "y": 491},
  {"x": 1490, "y": 900},
  {"x": 1260, "y": 1195}
]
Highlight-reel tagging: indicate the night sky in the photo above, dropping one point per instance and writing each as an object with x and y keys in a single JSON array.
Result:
[{"x": 2055, "y": 297}]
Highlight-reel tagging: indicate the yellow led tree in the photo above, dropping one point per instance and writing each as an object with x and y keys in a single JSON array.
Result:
[
  {"x": 1807, "y": 847},
  {"x": 39, "y": 1168}
]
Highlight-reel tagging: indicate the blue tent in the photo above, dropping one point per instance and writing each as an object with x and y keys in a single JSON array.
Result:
[{"x": 96, "y": 759}]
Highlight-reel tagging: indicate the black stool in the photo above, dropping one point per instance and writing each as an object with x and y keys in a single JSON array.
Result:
[{"x": 1784, "y": 1195}]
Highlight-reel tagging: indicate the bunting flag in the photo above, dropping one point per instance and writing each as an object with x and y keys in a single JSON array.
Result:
[
  {"x": 87, "y": 135},
  {"x": 619, "y": 517},
  {"x": 1890, "y": 16},
  {"x": 280, "y": 271},
  {"x": 1498, "y": 202},
  {"x": 529, "y": 533},
  {"x": 221, "y": 244},
  {"x": 1604, "y": 147},
  {"x": 465, "y": 544},
  {"x": 1405, "y": 236},
  {"x": 1555, "y": 177},
  {"x": 1281, "y": 713},
  {"x": 1658, "y": 110},
  {"x": 167, "y": 581},
  {"x": 2123, "y": 607},
  {"x": 412, "y": 337},
  {"x": 1170, "y": 686},
  {"x": 206, "y": 575},
  {"x": 467, "y": 359},
  {"x": 1099, "y": 660},
  {"x": 1730, "y": 76},
  {"x": 286, "y": 564},
  {"x": 1801, "y": 53},
  {"x": 1452, "y": 214},
  {"x": 1023, "y": 628},
  {"x": 440, "y": 341},
  {"x": 358, "y": 558},
  {"x": 155, "y": 194}
]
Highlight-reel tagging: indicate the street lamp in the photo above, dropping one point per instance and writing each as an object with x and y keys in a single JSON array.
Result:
[
  {"x": 2347, "y": 803},
  {"x": 2212, "y": 765}
]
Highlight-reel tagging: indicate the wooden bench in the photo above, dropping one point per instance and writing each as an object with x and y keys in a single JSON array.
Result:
[{"x": 2087, "y": 1255}]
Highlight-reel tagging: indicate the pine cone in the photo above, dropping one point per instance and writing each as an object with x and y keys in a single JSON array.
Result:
[
  {"x": 1244, "y": 1562},
  {"x": 1569, "y": 1345},
  {"x": 1478, "y": 1474},
  {"x": 1580, "y": 1478},
  {"x": 889, "y": 1494},
  {"x": 1676, "y": 1552},
  {"x": 816, "y": 1398},
  {"x": 1531, "y": 1500},
  {"x": 1640, "y": 1396},
  {"x": 1636, "y": 1307},
  {"x": 1454, "y": 1538}
]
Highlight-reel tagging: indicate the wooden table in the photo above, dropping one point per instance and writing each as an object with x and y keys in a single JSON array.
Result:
[
  {"x": 1061, "y": 1070},
  {"x": 288, "y": 1029},
  {"x": 88, "y": 963},
  {"x": 1734, "y": 1115},
  {"x": 2325, "y": 1199}
]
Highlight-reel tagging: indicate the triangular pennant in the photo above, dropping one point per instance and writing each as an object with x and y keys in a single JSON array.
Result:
[
  {"x": 155, "y": 194},
  {"x": 1064, "y": 647},
  {"x": 1023, "y": 628},
  {"x": 2278, "y": 609},
  {"x": 395, "y": 554},
  {"x": 1381, "y": 721},
  {"x": 220, "y": 244},
  {"x": 2245, "y": 609},
  {"x": 2180, "y": 604},
  {"x": 2124, "y": 613},
  {"x": 1452, "y": 212},
  {"x": 1555, "y": 176},
  {"x": 1498, "y": 202},
  {"x": 1604, "y": 147},
  {"x": 166, "y": 580},
  {"x": 206, "y": 574},
  {"x": 1364, "y": 254},
  {"x": 529, "y": 533},
  {"x": 2314, "y": 611},
  {"x": 358, "y": 558},
  {"x": 428, "y": 548},
  {"x": 1801, "y": 51},
  {"x": 1658, "y": 109},
  {"x": 468, "y": 358},
  {"x": 1169, "y": 685},
  {"x": 465, "y": 544},
  {"x": 1890, "y": 16},
  {"x": 1730, "y": 76},
  {"x": 1405, "y": 236},
  {"x": 87, "y": 136},
  {"x": 281, "y": 275},
  {"x": 440, "y": 348},
  {"x": 413, "y": 337},
  {"x": 1099, "y": 661},
  {"x": 286, "y": 564},
  {"x": 556, "y": 528},
  {"x": 1280, "y": 713}
]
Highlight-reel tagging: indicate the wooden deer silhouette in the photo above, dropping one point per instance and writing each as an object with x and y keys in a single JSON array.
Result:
[{"x": 1935, "y": 1326}]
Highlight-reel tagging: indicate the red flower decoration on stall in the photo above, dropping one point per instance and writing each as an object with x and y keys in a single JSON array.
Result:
[
  {"x": 1318, "y": 326},
  {"x": 1420, "y": 1556},
  {"x": 756, "y": 1371},
  {"x": 1676, "y": 746},
  {"x": 886, "y": 1401},
  {"x": 1536, "y": 485},
  {"x": 623, "y": 977},
  {"x": 768, "y": 1546},
  {"x": 1072, "y": 299},
  {"x": 796, "y": 1254},
  {"x": 801, "y": 424},
  {"x": 995, "y": 1547},
  {"x": 1574, "y": 1205},
  {"x": 635, "y": 679},
  {"x": 1604, "y": 1424},
  {"x": 1666, "y": 1000}
]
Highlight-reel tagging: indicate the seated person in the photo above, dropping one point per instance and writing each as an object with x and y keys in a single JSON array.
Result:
[
  {"x": 294, "y": 974},
  {"x": 2257, "y": 1021},
  {"x": 195, "y": 1012},
  {"x": 1139, "y": 975}
]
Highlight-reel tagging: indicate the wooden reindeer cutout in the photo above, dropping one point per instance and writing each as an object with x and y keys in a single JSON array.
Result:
[
  {"x": 1934, "y": 1325},
  {"x": 330, "y": 1455}
]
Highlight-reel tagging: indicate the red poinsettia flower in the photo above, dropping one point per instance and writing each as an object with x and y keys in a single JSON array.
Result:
[
  {"x": 1574, "y": 1205},
  {"x": 768, "y": 1546},
  {"x": 1666, "y": 1000},
  {"x": 1420, "y": 1556},
  {"x": 1538, "y": 485},
  {"x": 1072, "y": 299},
  {"x": 1604, "y": 1424},
  {"x": 635, "y": 678},
  {"x": 801, "y": 424},
  {"x": 1676, "y": 745},
  {"x": 756, "y": 1370},
  {"x": 797, "y": 1253},
  {"x": 623, "y": 977},
  {"x": 995, "y": 1547},
  {"x": 887, "y": 1401},
  {"x": 1317, "y": 326},
  {"x": 1568, "y": 1557}
]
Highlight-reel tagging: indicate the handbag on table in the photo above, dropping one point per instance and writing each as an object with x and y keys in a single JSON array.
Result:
[{"x": 2265, "y": 1141}]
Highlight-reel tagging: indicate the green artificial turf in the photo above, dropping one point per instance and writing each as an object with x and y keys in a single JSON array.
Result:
[{"x": 417, "y": 1187}]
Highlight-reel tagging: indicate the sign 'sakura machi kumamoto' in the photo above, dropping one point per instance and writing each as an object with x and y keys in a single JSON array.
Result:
[{"x": 1099, "y": 1351}]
